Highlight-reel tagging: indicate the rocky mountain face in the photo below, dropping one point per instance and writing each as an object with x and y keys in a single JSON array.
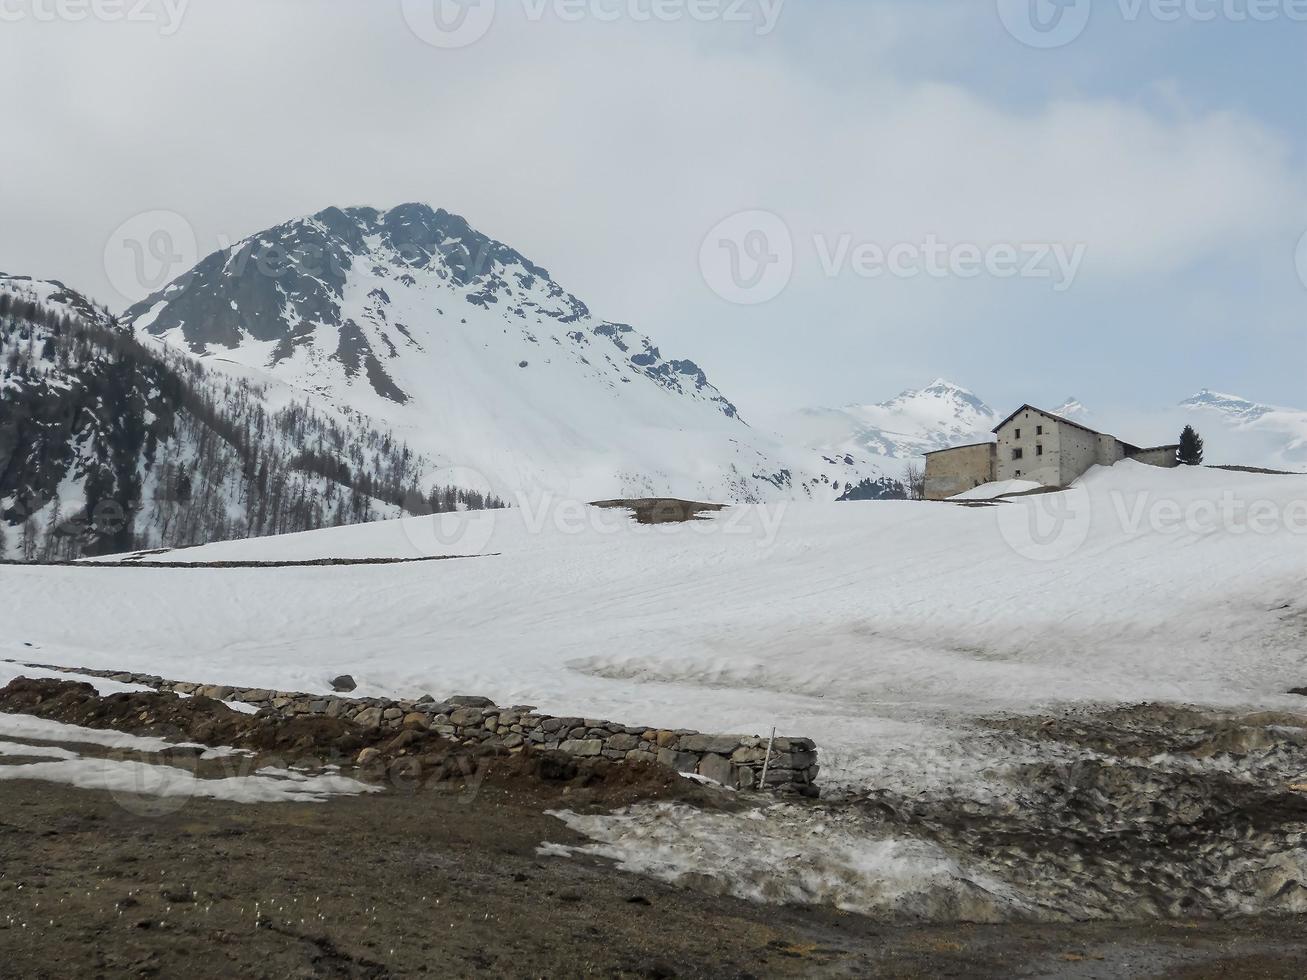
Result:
[
  {"x": 474, "y": 355},
  {"x": 109, "y": 445}
]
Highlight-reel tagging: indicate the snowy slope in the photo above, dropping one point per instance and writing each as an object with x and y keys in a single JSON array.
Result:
[
  {"x": 54, "y": 295},
  {"x": 916, "y": 421},
  {"x": 880, "y": 629},
  {"x": 107, "y": 444},
  {"x": 472, "y": 354},
  {"x": 1279, "y": 433}
]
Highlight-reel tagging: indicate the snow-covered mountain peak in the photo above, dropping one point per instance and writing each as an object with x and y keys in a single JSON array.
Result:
[
  {"x": 940, "y": 395},
  {"x": 1072, "y": 409},
  {"x": 1233, "y": 407},
  {"x": 918, "y": 420},
  {"x": 1279, "y": 434},
  {"x": 915, "y": 421},
  {"x": 473, "y": 354},
  {"x": 350, "y": 299}
]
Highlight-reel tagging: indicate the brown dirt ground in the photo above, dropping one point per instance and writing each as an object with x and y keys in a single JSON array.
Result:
[{"x": 441, "y": 877}]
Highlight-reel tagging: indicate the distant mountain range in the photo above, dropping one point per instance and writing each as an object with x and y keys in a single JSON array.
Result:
[
  {"x": 1278, "y": 434},
  {"x": 361, "y": 363},
  {"x": 945, "y": 414}
]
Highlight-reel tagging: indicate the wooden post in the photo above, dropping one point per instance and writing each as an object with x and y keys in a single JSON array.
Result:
[{"x": 767, "y": 759}]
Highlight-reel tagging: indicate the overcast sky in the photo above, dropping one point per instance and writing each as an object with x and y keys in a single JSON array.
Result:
[{"x": 1116, "y": 216}]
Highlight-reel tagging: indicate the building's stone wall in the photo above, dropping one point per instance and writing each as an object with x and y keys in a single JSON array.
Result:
[
  {"x": 1111, "y": 450},
  {"x": 1023, "y": 433},
  {"x": 1080, "y": 450},
  {"x": 733, "y": 760},
  {"x": 954, "y": 471},
  {"x": 1164, "y": 456}
]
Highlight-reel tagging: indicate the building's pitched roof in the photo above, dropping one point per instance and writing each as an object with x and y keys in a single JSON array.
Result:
[
  {"x": 1045, "y": 412},
  {"x": 970, "y": 445}
]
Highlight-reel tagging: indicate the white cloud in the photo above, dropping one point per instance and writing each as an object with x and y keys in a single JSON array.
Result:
[{"x": 606, "y": 151}]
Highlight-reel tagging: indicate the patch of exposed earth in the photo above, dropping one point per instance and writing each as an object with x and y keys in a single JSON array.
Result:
[
  {"x": 1149, "y": 811},
  {"x": 465, "y": 863}
]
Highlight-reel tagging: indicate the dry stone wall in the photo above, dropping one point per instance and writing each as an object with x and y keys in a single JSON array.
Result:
[{"x": 732, "y": 760}]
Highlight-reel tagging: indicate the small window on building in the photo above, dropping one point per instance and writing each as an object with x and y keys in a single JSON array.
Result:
[
  {"x": 1018, "y": 476},
  {"x": 1017, "y": 434},
  {"x": 1039, "y": 430},
  {"x": 1017, "y": 453},
  {"x": 1039, "y": 450}
]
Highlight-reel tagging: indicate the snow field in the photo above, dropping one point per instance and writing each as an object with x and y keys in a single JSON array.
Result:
[{"x": 880, "y": 629}]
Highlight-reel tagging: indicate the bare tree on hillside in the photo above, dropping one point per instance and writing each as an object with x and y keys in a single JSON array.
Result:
[{"x": 914, "y": 478}]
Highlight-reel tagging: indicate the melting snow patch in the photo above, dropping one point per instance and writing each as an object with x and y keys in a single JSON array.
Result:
[
  {"x": 35, "y": 751},
  {"x": 45, "y": 730},
  {"x": 147, "y": 779},
  {"x": 785, "y": 854}
]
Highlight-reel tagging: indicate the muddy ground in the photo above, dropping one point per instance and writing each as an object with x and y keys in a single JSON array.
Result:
[
  {"x": 427, "y": 885},
  {"x": 441, "y": 877}
]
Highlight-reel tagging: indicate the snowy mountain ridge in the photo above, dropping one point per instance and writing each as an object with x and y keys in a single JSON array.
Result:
[
  {"x": 1279, "y": 432},
  {"x": 472, "y": 354},
  {"x": 1233, "y": 407},
  {"x": 916, "y": 421}
]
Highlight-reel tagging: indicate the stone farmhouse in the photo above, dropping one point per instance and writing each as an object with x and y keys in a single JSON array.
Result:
[{"x": 1036, "y": 446}]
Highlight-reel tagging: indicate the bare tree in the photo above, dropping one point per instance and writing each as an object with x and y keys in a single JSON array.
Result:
[
  {"x": 914, "y": 478},
  {"x": 50, "y": 549},
  {"x": 30, "y": 539}
]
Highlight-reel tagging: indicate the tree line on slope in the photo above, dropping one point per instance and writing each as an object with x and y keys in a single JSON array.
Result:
[{"x": 107, "y": 445}]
